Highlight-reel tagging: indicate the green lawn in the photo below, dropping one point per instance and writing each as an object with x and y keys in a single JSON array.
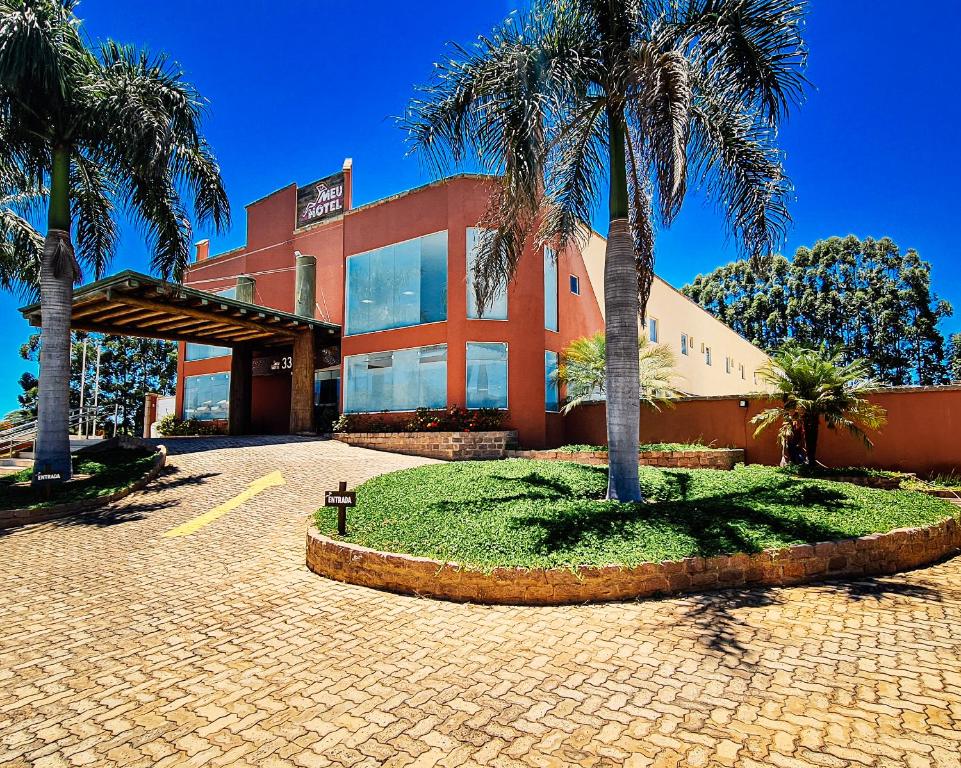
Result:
[
  {"x": 552, "y": 513},
  {"x": 109, "y": 471}
]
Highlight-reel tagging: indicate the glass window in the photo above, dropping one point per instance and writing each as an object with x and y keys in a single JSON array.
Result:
[
  {"x": 207, "y": 397},
  {"x": 228, "y": 293},
  {"x": 707, "y": 355},
  {"x": 402, "y": 380},
  {"x": 683, "y": 343},
  {"x": 728, "y": 364},
  {"x": 741, "y": 368},
  {"x": 550, "y": 290},
  {"x": 497, "y": 305},
  {"x": 327, "y": 386},
  {"x": 204, "y": 352},
  {"x": 398, "y": 286},
  {"x": 575, "y": 285},
  {"x": 652, "y": 329},
  {"x": 486, "y": 375},
  {"x": 551, "y": 389}
]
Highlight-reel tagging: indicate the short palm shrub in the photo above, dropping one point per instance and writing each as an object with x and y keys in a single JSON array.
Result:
[
  {"x": 814, "y": 386},
  {"x": 583, "y": 371}
]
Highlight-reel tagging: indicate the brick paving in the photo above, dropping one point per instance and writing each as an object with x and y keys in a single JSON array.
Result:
[{"x": 122, "y": 648}]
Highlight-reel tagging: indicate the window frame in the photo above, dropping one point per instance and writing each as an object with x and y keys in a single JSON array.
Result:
[
  {"x": 345, "y": 377},
  {"x": 557, "y": 383},
  {"x": 467, "y": 265},
  {"x": 575, "y": 285},
  {"x": 555, "y": 261},
  {"x": 183, "y": 405},
  {"x": 685, "y": 345}
]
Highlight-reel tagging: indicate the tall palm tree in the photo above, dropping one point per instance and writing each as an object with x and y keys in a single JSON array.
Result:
[
  {"x": 96, "y": 128},
  {"x": 813, "y": 386},
  {"x": 644, "y": 94},
  {"x": 583, "y": 370}
]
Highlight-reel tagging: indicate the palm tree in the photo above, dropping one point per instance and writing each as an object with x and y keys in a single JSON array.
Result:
[
  {"x": 96, "y": 129},
  {"x": 814, "y": 386},
  {"x": 583, "y": 370},
  {"x": 644, "y": 94}
]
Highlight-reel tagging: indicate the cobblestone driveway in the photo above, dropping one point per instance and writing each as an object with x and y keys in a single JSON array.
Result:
[{"x": 122, "y": 648}]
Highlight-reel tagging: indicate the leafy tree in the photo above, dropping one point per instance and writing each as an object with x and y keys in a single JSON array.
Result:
[
  {"x": 130, "y": 368},
  {"x": 864, "y": 298},
  {"x": 642, "y": 94},
  {"x": 815, "y": 386},
  {"x": 94, "y": 130},
  {"x": 954, "y": 358},
  {"x": 583, "y": 371}
]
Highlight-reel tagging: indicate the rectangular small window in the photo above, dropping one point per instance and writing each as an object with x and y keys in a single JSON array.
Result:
[
  {"x": 496, "y": 308},
  {"x": 204, "y": 352},
  {"x": 550, "y": 290},
  {"x": 575, "y": 285},
  {"x": 207, "y": 398},
  {"x": 741, "y": 369},
  {"x": 684, "y": 344},
  {"x": 486, "y": 375},
  {"x": 552, "y": 398},
  {"x": 728, "y": 363},
  {"x": 401, "y": 380},
  {"x": 397, "y": 286},
  {"x": 707, "y": 355},
  {"x": 652, "y": 329}
]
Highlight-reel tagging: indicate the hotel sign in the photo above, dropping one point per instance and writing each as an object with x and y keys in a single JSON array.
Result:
[
  {"x": 320, "y": 200},
  {"x": 272, "y": 365}
]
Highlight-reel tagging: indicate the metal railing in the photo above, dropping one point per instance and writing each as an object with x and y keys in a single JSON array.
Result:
[{"x": 83, "y": 422}]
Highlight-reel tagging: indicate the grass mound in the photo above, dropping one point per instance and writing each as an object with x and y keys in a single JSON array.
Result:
[
  {"x": 643, "y": 448},
  {"x": 552, "y": 514},
  {"x": 110, "y": 471}
]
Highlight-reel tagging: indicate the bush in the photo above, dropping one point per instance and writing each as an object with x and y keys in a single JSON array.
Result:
[
  {"x": 453, "y": 419},
  {"x": 173, "y": 426}
]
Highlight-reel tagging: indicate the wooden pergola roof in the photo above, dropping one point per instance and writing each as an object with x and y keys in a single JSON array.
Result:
[{"x": 133, "y": 304}]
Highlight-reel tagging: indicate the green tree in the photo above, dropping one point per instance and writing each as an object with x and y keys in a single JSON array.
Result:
[
  {"x": 642, "y": 94},
  {"x": 864, "y": 298},
  {"x": 954, "y": 358},
  {"x": 583, "y": 371},
  {"x": 96, "y": 129},
  {"x": 813, "y": 387}
]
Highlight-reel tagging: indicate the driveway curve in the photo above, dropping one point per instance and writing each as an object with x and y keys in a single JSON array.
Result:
[{"x": 122, "y": 647}]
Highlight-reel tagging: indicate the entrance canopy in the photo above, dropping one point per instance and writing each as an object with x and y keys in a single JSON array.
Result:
[{"x": 133, "y": 304}]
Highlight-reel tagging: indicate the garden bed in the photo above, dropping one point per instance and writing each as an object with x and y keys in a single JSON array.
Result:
[
  {"x": 102, "y": 477},
  {"x": 664, "y": 455},
  {"x": 448, "y": 446},
  {"x": 541, "y": 533}
]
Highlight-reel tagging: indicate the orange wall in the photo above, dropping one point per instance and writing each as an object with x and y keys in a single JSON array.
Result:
[
  {"x": 922, "y": 433},
  {"x": 454, "y": 206}
]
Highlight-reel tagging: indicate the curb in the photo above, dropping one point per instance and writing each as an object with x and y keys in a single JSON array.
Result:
[
  {"x": 873, "y": 555},
  {"x": 13, "y": 518}
]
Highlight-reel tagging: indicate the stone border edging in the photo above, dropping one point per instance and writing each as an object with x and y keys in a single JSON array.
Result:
[
  {"x": 874, "y": 555},
  {"x": 11, "y": 518},
  {"x": 709, "y": 458},
  {"x": 447, "y": 446}
]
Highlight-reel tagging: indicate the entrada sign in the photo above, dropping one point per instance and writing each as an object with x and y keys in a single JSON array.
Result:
[
  {"x": 320, "y": 200},
  {"x": 341, "y": 498}
]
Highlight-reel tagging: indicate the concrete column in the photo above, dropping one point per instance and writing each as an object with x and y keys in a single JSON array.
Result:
[
  {"x": 241, "y": 373},
  {"x": 305, "y": 286},
  {"x": 302, "y": 384},
  {"x": 245, "y": 288}
]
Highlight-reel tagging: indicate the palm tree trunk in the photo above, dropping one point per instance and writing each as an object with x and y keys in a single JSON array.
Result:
[
  {"x": 621, "y": 319},
  {"x": 57, "y": 273},
  {"x": 811, "y": 430}
]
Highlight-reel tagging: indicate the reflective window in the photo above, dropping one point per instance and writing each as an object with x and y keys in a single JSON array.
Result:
[
  {"x": 401, "y": 285},
  {"x": 552, "y": 399},
  {"x": 652, "y": 329},
  {"x": 206, "y": 397},
  {"x": 486, "y": 375},
  {"x": 204, "y": 352},
  {"x": 496, "y": 308},
  {"x": 707, "y": 355},
  {"x": 550, "y": 290},
  {"x": 575, "y": 285},
  {"x": 683, "y": 343},
  {"x": 401, "y": 380}
]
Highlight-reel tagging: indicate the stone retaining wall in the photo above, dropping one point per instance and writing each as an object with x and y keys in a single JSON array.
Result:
[
  {"x": 11, "y": 518},
  {"x": 449, "y": 446},
  {"x": 873, "y": 555},
  {"x": 714, "y": 458}
]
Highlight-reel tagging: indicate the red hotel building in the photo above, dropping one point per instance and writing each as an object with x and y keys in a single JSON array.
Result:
[{"x": 394, "y": 275}]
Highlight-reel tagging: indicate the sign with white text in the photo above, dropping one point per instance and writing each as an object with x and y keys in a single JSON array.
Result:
[{"x": 320, "y": 200}]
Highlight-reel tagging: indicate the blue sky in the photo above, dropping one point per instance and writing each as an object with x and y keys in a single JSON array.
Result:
[{"x": 295, "y": 87}]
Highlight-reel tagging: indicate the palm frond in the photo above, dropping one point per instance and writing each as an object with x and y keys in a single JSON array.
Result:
[{"x": 93, "y": 214}]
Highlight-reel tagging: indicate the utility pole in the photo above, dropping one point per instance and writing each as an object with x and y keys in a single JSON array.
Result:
[{"x": 96, "y": 388}]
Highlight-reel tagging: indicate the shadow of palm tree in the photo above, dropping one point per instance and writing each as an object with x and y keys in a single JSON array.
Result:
[
  {"x": 167, "y": 479},
  {"x": 106, "y": 517}
]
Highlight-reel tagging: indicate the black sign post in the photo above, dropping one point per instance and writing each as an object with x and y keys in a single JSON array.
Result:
[{"x": 341, "y": 498}]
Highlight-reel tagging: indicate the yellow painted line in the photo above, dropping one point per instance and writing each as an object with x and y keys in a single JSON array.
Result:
[{"x": 272, "y": 480}]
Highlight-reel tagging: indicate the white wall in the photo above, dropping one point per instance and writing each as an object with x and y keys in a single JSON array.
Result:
[{"x": 676, "y": 314}]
